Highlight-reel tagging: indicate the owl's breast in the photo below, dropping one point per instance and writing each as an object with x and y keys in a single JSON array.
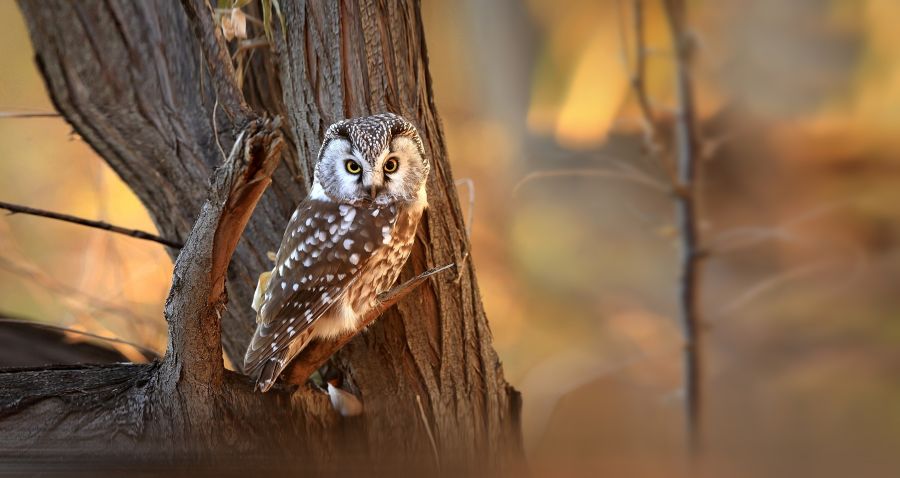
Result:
[
  {"x": 385, "y": 265},
  {"x": 377, "y": 276}
]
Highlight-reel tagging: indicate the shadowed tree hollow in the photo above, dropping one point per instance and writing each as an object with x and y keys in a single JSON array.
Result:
[{"x": 220, "y": 159}]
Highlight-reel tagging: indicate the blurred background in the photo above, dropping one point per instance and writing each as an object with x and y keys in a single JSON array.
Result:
[{"x": 799, "y": 110}]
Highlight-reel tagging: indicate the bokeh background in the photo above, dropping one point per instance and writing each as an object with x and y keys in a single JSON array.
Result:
[{"x": 799, "y": 108}]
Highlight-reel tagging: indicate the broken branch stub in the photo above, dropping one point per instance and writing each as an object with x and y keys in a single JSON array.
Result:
[{"x": 197, "y": 297}]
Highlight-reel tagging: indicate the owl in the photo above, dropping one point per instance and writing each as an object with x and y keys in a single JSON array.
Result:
[{"x": 345, "y": 243}]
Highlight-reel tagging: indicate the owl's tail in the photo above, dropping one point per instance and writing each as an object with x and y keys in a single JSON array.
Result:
[
  {"x": 265, "y": 361},
  {"x": 270, "y": 370}
]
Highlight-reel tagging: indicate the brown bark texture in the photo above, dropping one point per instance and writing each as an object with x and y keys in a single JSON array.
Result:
[{"x": 220, "y": 165}]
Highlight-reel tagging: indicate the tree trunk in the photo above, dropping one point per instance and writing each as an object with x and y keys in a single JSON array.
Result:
[{"x": 150, "y": 85}]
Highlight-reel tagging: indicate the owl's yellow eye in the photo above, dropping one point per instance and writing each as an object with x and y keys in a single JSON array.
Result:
[
  {"x": 352, "y": 166},
  {"x": 391, "y": 165}
]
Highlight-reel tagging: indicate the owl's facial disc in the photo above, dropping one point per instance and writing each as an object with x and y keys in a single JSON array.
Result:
[
  {"x": 340, "y": 171},
  {"x": 396, "y": 174},
  {"x": 401, "y": 170}
]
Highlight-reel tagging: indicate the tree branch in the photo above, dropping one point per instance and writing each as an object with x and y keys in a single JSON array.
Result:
[
  {"x": 6, "y": 318},
  {"x": 24, "y": 114},
  {"x": 686, "y": 142},
  {"x": 18, "y": 209},
  {"x": 638, "y": 76},
  {"x": 29, "y": 342}
]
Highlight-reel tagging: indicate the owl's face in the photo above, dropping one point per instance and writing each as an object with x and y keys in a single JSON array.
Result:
[{"x": 376, "y": 159}]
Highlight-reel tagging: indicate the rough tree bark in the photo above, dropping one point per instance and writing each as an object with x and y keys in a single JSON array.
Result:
[{"x": 150, "y": 86}]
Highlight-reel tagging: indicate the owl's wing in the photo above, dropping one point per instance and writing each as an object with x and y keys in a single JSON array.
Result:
[{"x": 324, "y": 247}]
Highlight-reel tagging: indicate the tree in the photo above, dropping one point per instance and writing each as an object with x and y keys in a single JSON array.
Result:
[{"x": 151, "y": 87}]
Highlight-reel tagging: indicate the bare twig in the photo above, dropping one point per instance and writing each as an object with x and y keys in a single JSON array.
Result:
[
  {"x": 216, "y": 128},
  {"x": 74, "y": 298},
  {"x": 638, "y": 76},
  {"x": 747, "y": 236},
  {"x": 249, "y": 44},
  {"x": 13, "y": 114},
  {"x": 10, "y": 319},
  {"x": 632, "y": 176},
  {"x": 18, "y": 209},
  {"x": 857, "y": 259},
  {"x": 686, "y": 151},
  {"x": 638, "y": 80},
  {"x": 770, "y": 283},
  {"x": 682, "y": 174},
  {"x": 434, "y": 448}
]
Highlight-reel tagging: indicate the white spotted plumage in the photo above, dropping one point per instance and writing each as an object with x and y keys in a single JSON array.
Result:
[{"x": 345, "y": 244}]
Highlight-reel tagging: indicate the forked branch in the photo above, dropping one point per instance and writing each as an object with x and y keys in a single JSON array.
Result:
[
  {"x": 679, "y": 157},
  {"x": 651, "y": 122},
  {"x": 197, "y": 297}
]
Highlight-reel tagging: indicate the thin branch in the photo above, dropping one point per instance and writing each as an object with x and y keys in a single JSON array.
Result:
[
  {"x": 243, "y": 59},
  {"x": 81, "y": 300},
  {"x": 857, "y": 259},
  {"x": 630, "y": 176},
  {"x": 11, "y": 319},
  {"x": 771, "y": 283},
  {"x": 11, "y": 114},
  {"x": 249, "y": 44},
  {"x": 686, "y": 151},
  {"x": 639, "y": 87},
  {"x": 638, "y": 76},
  {"x": 434, "y": 448},
  {"x": 216, "y": 127},
  {"x": 18, "y": 209},
  {"x": 254, "y": 20},
  {"x": 747, "y": 236}
]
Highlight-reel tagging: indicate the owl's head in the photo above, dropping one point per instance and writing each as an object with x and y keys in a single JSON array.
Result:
[{"x": 376, "y": 158}]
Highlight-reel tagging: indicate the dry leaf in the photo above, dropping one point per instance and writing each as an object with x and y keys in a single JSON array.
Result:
[
  {"x": 227, "y": 28},
  {"x": 239, "y": 23}
]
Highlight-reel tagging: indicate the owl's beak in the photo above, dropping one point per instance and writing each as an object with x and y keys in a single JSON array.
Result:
[{"x": 374, "y": 190}]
